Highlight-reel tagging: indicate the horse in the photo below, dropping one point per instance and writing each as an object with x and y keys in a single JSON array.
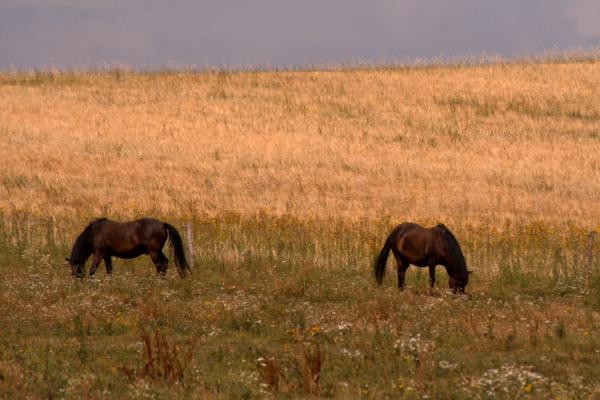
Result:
[
  {"x": 424, "y": 247},
  {"x": 104, "y": 239}
]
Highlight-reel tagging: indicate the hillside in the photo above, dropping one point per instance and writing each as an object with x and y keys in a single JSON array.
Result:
[{"x": 458, "y": 144}]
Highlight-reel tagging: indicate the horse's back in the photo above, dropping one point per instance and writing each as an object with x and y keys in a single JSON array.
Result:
[
  {"x": 131, "y": 233},
  {"x": 147, "y": 224},
  {"x": 150, "y": 231},
  {"x": 416, "y": 243},
  {"x": 412, "y": 231}
]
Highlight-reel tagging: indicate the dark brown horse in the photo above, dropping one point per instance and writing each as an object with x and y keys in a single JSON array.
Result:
[
  {"x": 424, "y": 247},
  {"x": 104, "y": 239}
]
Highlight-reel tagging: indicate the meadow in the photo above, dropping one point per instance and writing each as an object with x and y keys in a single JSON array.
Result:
[{"x": 291, "y": 180}]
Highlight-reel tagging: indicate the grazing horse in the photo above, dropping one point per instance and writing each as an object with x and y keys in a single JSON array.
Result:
[
  {"x": 103, "y": 239},
  {"x": 424, "y": 247}
]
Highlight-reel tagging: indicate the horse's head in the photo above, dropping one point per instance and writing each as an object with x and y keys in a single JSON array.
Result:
[
  {"x": 76, "y": 268},
  {"x": 458, "y": 283}
]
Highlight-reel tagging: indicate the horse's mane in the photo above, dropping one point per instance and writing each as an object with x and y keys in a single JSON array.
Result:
[
  {"x": 81, "y": 246},
  {"x": 453, "y": 246}
]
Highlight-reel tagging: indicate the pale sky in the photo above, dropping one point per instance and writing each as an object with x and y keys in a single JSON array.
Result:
[{"x": 281, "y": 33}]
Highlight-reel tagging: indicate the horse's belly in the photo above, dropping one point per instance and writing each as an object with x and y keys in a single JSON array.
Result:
[
  {"x": 419, "y": 262},
  {"x": 131, "y": 253},
  {"x": 414, "y": 257},
  {"x": 416, "y": 252}
]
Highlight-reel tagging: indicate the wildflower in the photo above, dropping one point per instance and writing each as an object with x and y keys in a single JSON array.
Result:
[
  {"x": 447, "y": 365},
  {"x": 261, "y": 361},
  {"x": 344, "y": 326},
  {"x": 506, "y": 378}
]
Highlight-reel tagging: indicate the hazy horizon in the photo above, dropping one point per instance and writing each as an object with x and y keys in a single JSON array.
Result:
[{"x": 271, "y": 33}]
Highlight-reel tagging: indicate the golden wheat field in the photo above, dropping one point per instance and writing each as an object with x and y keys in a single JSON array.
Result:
[
  {"x": 455, "y": 144},
  {"x": 290, "y": 182}
]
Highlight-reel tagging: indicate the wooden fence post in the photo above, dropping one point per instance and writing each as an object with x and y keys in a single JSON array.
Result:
[
  {"x": 190, "y": 244},
  {"x": 588, "y": 257}
]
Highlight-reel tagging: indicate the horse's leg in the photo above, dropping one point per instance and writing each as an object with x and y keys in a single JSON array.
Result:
[
  {"x": 401, "y": 273},
  {"x": 108, "y": 264},
  {"x": 156, "y": 260},
  {"x": 164, "y": 263},
  {"x": 402, "y": 267},
  {"x": 432, "y": 275},
  {"x": 97, "y": 259},
  {"x": 160, "y": 262}
]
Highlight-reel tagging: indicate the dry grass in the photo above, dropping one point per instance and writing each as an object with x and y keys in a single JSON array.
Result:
[
  {"x": 477, "y": 144},
  {"x": 281, "y": 308}
]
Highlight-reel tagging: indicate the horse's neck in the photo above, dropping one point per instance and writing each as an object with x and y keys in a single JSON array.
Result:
[
  {"x": 83, "y": 253},
  {"x": 454, "y": 263},
  {"x": 86, "y": 253},
  {"x": 443, "y": 249}
]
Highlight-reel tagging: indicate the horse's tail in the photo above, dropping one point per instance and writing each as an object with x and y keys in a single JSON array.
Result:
[
  {"x": 381, "y": 260},
  {"x": 176, "y": 245}
]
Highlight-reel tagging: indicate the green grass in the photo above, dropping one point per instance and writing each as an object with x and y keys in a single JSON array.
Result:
[{"x": 287, "y": 308}]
